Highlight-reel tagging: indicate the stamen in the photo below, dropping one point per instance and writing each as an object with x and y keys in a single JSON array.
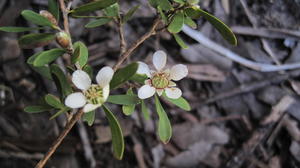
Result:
[{"x": 94, "y": 95}]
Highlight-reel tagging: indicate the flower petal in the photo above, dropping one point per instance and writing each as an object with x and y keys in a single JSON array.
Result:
[
  {"x": 143, "y": 69},
  {"x": 159, "y": 59},
  {"x": 178, "y": 72},
  {"x": 90, "y": 107},
  {"x": 75, "y": 100},
  {"x": 105, "y": 92},
  {"x": 81, "y": 80},
  {"x": 173, "y": 93},
  {"x": 104, "y": 76},
  {"x": 146, "y": 91}
]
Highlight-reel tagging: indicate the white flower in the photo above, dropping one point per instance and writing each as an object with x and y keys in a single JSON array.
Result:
[
  {"x": 91, "y": 96},
  {"x": 162, "y": 79}
]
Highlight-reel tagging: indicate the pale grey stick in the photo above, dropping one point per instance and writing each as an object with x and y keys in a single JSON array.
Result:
[{"x": 200, "y": 38}]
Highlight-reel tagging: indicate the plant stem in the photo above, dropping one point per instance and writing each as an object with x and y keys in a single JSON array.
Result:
[
  {"x": 65, "y": 16},
  {"x": 123, "y": 44},
  {"x": 127, "y": 53},
  {"x": 60, "y": 138}
]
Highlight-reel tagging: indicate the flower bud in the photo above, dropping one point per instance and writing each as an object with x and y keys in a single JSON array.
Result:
[
  {"x": 63, "y": 39},
  {"x": 49, "y": 16}
]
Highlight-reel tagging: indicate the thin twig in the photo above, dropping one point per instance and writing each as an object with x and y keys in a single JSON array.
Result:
[
  {"x": 65, "y": 16},
  {"x": 198, "y": 36},
  {"x": 123, "y": 44},
  {"x": 60, "y": 138},
  {"x": 127, "y": 53}
]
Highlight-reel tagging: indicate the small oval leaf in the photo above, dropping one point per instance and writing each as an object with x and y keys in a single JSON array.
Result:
[
  {"x": 180, "y": 102},
  {"x": 53, "y": 8},
  {"x": 34, "y": 40},
  {"x": 130, "y": 13},
  {"x": 180, "y": 42},
  {"x": 164, "y": 4},
  {"x": 145, "y": 110},
  {"x": 93, "y": 6},
  {"x": 18, "y": 29},
  {"x": 164, "y": 125},
  {"x": 36, "y": 18},
  {"x": 190, "y": 22},
  {"x": 123, "y": 99},
  {"x": 42, "y": 70},
  {"x": 89, "y": 117},
  {"x": 124, "y": 74},
  {"x": 48, "y": 56},
  {"x": 60, "y": 80},
  {"x": 116, "y": 133},
  {"x": 54, "y": 101},
  {"x": 37, "y": 109},
  {"x": 61, "y": 111},
  {"x": 98, "y": 22},
  {"x": 177, "y": 22},
  {"x": 81, "y": 53},
  {"x": 128, "y": 109}
]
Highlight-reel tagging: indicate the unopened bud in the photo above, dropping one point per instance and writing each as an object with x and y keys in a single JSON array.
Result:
[
  {"x": 49, "y": 16},
  {"x": 63, "y": 39}
]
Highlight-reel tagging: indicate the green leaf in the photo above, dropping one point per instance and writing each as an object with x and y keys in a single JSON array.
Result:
[
  {"x": 180, "y": 42},
  {"x": 89, "y": 117},
  {"x": 81, "y": 53},
  {"x": 130, "y": 13},
  {"x": 48, "y": 56},
  {"x": 164, "y": 4},
  {"x": 89, "y": 70},
  {"x": 190, "y": 22},
  {"x": 36, "y": 18},
  {"x": 177, "y": 22},
  {"x": 145, "y": 110},
  {"x": 123, "y": 99},
  {"x": 217, "y": 23},
  {"x": 93, "y": 6},
  {"x": 128, "y": 109},
  {"x": 112, "y": 10},
  {"x": 37, "y": 109},
  {"x": 179, "y": 1},
  {"x": 53, "y": 8},
  {"x": 61, "y": 111},
  {"x": 98, "y": 22},
  {"x": 18, "y": 29},
  {"x": 42, "y": 70},
  {"x": 124, "y": 74},
  {"x": 180, "y": 102},
  {"x": 34, "y": 40},
  {"x": 54, "y": 101},
  {"x": 164, "y": 125},
  {"x": 162, "y": 15},
  {"x": 139, "y": 78},
  {"x": 60, "y": 80},
  {"x": 116, "y": 132},
  {"x": 153, "y": 3}
]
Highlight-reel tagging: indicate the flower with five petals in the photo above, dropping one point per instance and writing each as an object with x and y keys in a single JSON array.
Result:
[
  {"x": 91, "y": 96},
  {"x": 161, "y": 80}
]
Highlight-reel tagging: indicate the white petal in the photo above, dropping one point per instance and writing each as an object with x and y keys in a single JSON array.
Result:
[
  {"x": 171, "y": 84},
  {"x": 173, "y": 93},
  {"x": 143, "y": 69},
  {"x": 146, "y": 91},
  {"x": 178, "y": 72},
  {"x": 75, "y": 100},
  {"x": 90, "y": 107},
  {"x": 81, "y": 80},
  {"x": 104, "y": 76},
  {"x": 105, "y": 92},
  {"x": 159, "y": 59}
]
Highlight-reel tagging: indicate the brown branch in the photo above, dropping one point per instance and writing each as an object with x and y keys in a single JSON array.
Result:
[
  {"x": 60, "y": 138},
  {"x": 123, "y": 44},
  {"x": 127, "y": 53},
  {"x": 65, "y": 16}
]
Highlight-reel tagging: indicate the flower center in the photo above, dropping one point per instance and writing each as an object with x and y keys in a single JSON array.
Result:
[
  {"x": 160, "y": 80},
  {"x": 94, "y": 95}
]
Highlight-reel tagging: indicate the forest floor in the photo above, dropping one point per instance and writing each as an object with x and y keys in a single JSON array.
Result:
[{"x": 240, "y": 117}]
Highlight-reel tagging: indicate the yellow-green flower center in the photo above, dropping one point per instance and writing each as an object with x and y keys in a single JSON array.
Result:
[
  {"x": 94, "y": 95},
  {"x": 160, "y": 81}
]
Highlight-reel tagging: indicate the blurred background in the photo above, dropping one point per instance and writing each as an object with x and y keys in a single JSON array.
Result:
[{"x": 240, "y": 117}]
